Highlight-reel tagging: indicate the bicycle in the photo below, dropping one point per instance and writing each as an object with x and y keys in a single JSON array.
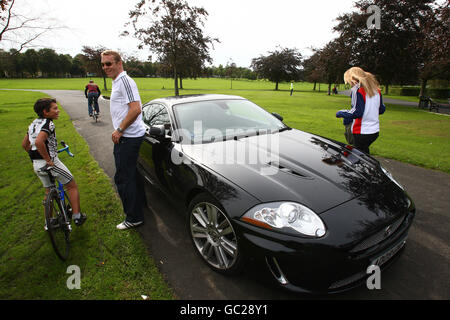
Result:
[
  {"x": 58, "y": 212},
  {"x": 93, "y": 106},
  {"x": 95, "y": 116}
]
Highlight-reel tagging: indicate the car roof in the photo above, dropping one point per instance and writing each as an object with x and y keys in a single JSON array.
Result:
[{"x": 173, "y": 100}]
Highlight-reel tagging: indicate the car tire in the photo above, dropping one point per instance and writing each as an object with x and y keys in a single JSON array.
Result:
[{"x": 213, "y": 235}]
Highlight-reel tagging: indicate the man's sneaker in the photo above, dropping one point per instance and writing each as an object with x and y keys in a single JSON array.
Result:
[
  {"x": 90, "y": 114},
  {"x": 128, "y": 225},
  {"x": 80, "y": 220}
]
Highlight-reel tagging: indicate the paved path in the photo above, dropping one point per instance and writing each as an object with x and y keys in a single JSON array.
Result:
[{"x": 421, "y": 273}]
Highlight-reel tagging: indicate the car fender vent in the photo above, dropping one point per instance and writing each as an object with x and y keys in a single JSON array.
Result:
[{"x": 274, "y": 267}]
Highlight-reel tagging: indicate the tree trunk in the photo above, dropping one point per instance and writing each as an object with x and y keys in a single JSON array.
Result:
[
  {"x": 314, "y": 89},
  {"x": 423, "y": 87},
  {"x": 386, "y": 89},
  {"x": 181, "y": 82},
  {"x": 175, "y": 76},
  {"x": 104, "y": 83},
  {"x": 276, "y": 86},
  {"x": 329, "y": 89}
]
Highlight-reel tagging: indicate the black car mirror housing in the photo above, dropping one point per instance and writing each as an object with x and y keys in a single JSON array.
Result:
[{"x": 157, "y": 131}]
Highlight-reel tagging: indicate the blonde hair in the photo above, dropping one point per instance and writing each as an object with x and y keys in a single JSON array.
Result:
[
  {"x": 116, "y": 56},
  {"x": 365, "y": 79}
]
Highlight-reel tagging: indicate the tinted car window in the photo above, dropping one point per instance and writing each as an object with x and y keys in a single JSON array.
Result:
[
  {"x": 207, "y": 121},
  {"x": 156, "y": 114}
]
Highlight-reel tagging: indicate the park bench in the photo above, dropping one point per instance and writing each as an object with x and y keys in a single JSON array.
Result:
[{"x": 428, "y": 103}]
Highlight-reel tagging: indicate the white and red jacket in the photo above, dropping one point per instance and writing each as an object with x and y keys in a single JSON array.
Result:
[{"x": 364, "y": 113}]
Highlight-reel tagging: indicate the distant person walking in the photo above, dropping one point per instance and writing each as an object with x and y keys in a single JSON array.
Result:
[
  {"x": 367, "y": 105},
  {"x": 126, "y": 114},
  {"x": 292, "y": 87},
  {"x": 92, "y": 92}
]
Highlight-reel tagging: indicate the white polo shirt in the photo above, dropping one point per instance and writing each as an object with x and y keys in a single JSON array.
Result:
[{"x": 124, "y": 90}]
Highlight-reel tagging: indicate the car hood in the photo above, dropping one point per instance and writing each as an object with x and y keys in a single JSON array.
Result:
[{"x": 293, "y": 166}]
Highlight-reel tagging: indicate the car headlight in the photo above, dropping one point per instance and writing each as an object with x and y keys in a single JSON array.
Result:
[
  {"x": 291, "y": 215},
  {"x": 392, "y": 178}
]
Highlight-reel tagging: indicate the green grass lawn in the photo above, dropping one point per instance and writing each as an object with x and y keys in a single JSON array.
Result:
[
  {"x": 114, "y": 265},
  {"x": 407, "y": 133}
]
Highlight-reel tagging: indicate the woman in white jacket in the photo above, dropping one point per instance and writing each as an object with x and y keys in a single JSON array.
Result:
[{"x": 367, "y": 105}]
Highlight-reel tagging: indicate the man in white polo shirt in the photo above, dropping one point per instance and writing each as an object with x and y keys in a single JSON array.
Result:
[{"x": 125, "y": 105}]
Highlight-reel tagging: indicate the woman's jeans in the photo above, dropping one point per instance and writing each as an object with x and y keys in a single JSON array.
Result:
[{"x": 128, "y": 184}]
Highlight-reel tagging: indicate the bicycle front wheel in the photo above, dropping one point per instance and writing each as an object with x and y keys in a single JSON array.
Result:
[{"x": 57, "y": 226}]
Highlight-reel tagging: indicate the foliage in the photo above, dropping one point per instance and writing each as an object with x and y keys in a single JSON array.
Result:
[
  {"x": 396, "y": 51},
  {"x": 279, "y": 65},
  {"x": 22, "y": 30},
  {"x": 92, "y": 58},
  {"x": 174, "y": 34}
]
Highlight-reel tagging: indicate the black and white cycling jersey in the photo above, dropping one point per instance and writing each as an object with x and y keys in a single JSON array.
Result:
[{"x": 47, "y": 125}]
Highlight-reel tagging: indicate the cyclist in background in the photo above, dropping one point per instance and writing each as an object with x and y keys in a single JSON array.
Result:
[
  {"x": 41, "y": 145},
  {"x": 92, "y": 92}
]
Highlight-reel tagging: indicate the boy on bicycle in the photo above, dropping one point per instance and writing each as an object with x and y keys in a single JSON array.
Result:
[{"x": 41, "y": 144}]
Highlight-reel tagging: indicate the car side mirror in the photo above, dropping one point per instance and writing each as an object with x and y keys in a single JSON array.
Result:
[
  {"x": 157, "y": 131},
  {"x": 276, "y": 115}
]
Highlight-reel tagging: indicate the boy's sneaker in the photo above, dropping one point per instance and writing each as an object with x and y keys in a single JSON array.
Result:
[
  {"x": 80, "y": 220},
  {"x": 128, "y": 225}
]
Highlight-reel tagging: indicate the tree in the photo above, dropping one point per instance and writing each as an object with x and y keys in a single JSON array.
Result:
[
  {"x": 93, "y": 61},
  {"x": 20, "y": 31},
  {"x": 312, "y": 69},
  {"x": 333, "y": 61},
  {"x": 31, "y": 62},
  {"x": 77, "y": 69},
  {"x": 434, "y": 48},
  {"x": 280, "y": 65},
  {"x": 48, "y": 62},
  {"x": 386, "y": 51},
  {"x": 174, "y": 33}
]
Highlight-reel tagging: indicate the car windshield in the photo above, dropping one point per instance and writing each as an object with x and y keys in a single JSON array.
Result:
[{"x": 218, "y": 120}]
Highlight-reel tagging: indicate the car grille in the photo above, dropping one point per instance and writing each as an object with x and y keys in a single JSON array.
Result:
[
  {"x": 347, "y": 281},
  {"x": 377, "y": 237}
]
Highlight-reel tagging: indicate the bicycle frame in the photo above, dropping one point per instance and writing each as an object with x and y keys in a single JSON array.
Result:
[{"x": 60, "y": 185}]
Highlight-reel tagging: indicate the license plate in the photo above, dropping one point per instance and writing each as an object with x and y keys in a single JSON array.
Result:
[{"x": 388, "y": 255}]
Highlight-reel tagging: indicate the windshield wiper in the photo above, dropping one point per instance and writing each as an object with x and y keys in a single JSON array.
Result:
[{"x": 282, "y": 129}]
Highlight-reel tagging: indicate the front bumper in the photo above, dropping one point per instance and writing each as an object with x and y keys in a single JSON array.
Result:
[{"x": 325, "y": 265}]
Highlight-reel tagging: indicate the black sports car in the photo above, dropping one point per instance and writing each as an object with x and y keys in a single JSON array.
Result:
[{"x": 314, "y": 211}]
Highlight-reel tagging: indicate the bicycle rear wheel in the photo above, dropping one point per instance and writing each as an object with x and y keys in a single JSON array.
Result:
[{"x": 57, "y": 228}]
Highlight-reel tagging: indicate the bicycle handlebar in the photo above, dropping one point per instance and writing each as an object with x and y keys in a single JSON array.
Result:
[
  {"x": 66, "y": 148},
  {"x": 47, "y": 168}
]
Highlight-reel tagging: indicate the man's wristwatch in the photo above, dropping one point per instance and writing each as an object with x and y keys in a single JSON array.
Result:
[{"x": 119, "y": 129}]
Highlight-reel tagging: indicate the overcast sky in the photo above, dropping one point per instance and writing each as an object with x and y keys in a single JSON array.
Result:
[{"x": 246, "y": 28}]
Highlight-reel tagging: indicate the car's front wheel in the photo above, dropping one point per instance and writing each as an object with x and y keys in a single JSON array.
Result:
[{"x": 213, "y": 235}]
